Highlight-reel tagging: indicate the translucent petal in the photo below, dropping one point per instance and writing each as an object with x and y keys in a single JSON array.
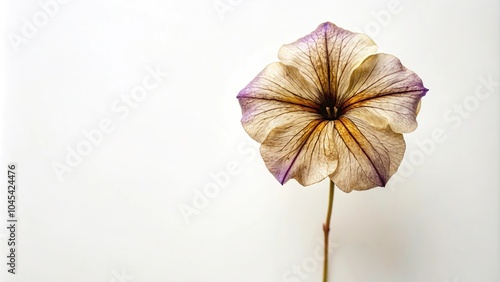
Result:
[
  {"x": 277, "y": 96},
  {"x": 303, "y": 150},
  {"x": 381, "y": 87},
  {"x": 367, "y": 156},
  {"x": 328, "y": 56}
]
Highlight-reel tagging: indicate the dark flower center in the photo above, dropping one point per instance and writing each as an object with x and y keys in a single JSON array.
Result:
[{"x": 329, "y": 112}]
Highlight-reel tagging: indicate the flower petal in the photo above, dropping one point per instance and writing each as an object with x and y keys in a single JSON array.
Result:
[
  {"x": 277, "y": 96},
  {"x": 382, "y": 87},
  {"x": 303, "y": 150},
  {"x": 328, "y": 56},
  {"x": 368, "y": 156}
]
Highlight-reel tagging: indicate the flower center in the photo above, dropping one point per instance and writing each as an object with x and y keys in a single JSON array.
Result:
[{"x": 329, "y": 112}]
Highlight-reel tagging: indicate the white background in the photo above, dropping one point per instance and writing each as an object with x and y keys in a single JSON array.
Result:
[{"x": 117, "y": 215}]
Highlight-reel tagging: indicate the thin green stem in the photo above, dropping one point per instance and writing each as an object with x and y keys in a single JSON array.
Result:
[{"x": 326, "y": 231}]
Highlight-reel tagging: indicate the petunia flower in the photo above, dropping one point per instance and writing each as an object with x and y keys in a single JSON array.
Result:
[{"x": 332, "y": 108}]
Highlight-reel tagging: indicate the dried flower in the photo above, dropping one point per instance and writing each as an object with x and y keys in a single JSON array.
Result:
[{"x": 332, "y": 108}]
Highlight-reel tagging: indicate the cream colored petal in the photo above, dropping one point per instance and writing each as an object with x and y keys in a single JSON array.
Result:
[
  {"x": 382, "y": 87},
  {"x": 368, "y": 156},
  {"x": 303, "y": 150},
  {"x": 279, "y": 95},
  {"x": 328, "y": 56}
]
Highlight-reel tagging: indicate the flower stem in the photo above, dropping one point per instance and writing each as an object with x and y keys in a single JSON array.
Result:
[{"x": 326, "y": 231}]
